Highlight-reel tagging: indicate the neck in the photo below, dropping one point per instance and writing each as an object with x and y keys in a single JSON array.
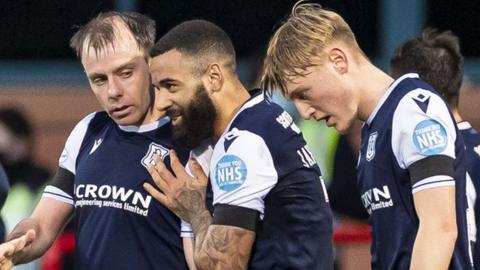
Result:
[
  {"x": 151, "y": 116},
  {"x": 232, "y": 98},
  {"x": 372, "y": 89},
  {"x": 456, "y": 115}
]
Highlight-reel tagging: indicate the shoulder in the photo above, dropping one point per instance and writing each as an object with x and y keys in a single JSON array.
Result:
[
  {"x": 91, "y": 121},
  {"x": 265, "y": 119}
]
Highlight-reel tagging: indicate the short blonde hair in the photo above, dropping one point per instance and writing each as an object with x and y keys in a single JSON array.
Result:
[{"x": 298, "y": 43}]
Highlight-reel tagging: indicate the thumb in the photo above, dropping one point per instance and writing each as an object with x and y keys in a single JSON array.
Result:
[
  {"x": 25, "y": 240},
  {"x": 30, "y": 236},
  {"x": 197, "y": 171}
]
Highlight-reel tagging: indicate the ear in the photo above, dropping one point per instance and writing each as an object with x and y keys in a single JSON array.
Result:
[
  {"x": 339, "y": 60},
  {"x": 214, "y": 77}
]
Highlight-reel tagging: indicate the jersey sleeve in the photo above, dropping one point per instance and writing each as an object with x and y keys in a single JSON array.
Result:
[
  {"x": 61, "y": 187},
  {"x": 202, "y": 154},
  {"x": 244, "y": 174},
  {"x": 186, "y": 230},
  {"x": 423, "y": 139},
  {"x": 72, "y": 146}
]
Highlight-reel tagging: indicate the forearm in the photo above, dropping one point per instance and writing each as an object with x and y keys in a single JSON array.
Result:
[
  {"x": 188, "y": 251},
  {"x": 38, "y": 247},
  {"x": 433, "y": 247},
  {"x": 219, "y": 246},
  {"x": 200, "y": 224}
]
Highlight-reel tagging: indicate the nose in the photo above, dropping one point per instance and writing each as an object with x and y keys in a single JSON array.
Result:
[
  {"x": 305, "y": 110},
  {"x": 162, "y": 100},
  {"x": 115, "y": 89}
]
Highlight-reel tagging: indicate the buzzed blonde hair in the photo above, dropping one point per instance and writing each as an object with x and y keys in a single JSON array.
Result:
[{"x": 298, "y": 43}]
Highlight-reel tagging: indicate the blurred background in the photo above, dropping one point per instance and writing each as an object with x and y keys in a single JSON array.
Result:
[{"x": 44, "y": 92}]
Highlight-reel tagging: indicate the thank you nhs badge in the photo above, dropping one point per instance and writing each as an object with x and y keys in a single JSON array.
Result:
[
  {"x": 230, "y": 173},
  {"x": 430, "y": 137}
]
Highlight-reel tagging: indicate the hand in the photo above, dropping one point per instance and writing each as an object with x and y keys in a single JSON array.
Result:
[
  {"x": 181, "y": 193},
  {"x": 9, "y": 249}
]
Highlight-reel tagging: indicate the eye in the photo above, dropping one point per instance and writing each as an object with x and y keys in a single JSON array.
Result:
[
  {"x": 126, "y": 73},
  {"x": 171, "y": 87},
  {"x": 302, "y": 95},
  {"x": 99, "y": 81}
]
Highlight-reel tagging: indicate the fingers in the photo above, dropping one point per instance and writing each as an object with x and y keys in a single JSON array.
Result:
[
  {"x": 156, "y": 194},
  {"x": 30, "y": 236},
  {"x": 6, "y": 265},
  {"x": 24, "y": 240},
  {"x": 197, "y": 171},
  {"x": 8, "y": 249},
  {"x": 176, "y": 165},
  {"x": 162, "y": 170},
  {"x": 157, "y": 179}
]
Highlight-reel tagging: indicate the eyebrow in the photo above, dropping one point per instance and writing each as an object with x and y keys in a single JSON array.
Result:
[
  {"x": 129, "y": 64},
  {"x": 296, "y": 92},
  {"x": 166, "y": 80}
]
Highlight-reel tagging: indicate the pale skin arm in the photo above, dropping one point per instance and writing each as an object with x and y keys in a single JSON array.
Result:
[
  {"x": 216, "y": 246},
  {"x": 437, "y": 231},
  {"x": 188, "y": 250},
  {"x": 33, "y": 236}
]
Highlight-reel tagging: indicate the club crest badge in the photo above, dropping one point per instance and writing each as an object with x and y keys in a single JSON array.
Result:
[
  {"x": 371, "y": 146},
  {"x": 154, "y": 150}
]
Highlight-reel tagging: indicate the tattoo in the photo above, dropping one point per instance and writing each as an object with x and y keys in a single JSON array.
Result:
[
  {"x": 189, "y": 201},
  {"x": 223, "y": 247}
]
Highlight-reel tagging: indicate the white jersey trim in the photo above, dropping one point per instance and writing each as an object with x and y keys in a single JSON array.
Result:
[
  {"x": 252, "y": 102},
  {"x": 439, "y": 183},
  {"x": 57, "y": 194},
  {"x": 431, "y": 179},
  {"x": 387, "y": 94},
  {"x": 260, "y": 174},
  {"x": 464, "y": 125},
  {"x": 68, "y": 158},
  {"x": 146, "y": 128},
  {"x": 408, "y": 116},
  {"x": 186, "y": 230},
  {"x": 202, "y": 154}
]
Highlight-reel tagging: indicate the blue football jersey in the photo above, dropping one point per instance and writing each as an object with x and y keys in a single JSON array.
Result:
[
  {"x": 410, "y": 143},
  {"x": 262, "y": 162},
  {"x": 4, "y": 187},
  {"x": 118, "y": 225},
  {"x": 471, "y": 138}
]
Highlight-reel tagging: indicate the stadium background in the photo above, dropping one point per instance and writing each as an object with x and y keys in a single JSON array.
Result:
[
  {"x": 40, "y": 74},
  {"x": 39, "y": 71}
]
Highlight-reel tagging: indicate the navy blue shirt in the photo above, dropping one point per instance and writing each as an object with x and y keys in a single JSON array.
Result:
[
  {"x": 472, "y": 145},
  {"x": 118, "y": 225},
  {"x": 410, "y": 143},
  {"x": 4, "y": 187},
  {"x": 262, "y": 162}
]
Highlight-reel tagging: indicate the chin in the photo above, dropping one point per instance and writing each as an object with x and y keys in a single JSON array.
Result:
[
  {"x": 127, "y": 121},
  {"x": 342, "y": 129}
]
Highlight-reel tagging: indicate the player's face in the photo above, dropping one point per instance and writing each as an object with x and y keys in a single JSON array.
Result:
[
  {"x": 184, "y": 98},
  {"x": 119, "y": 78},
  {"x": 322, "y": 94}
]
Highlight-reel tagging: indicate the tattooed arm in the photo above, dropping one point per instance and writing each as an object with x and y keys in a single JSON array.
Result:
[
  {"x": 221, "y": 246},
  {"x": 219, "y": 243}
]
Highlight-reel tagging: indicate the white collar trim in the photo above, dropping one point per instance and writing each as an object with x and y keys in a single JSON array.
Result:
[
  {"x": 464, "y": 125},
  {"x": 252, "y": 102},
  {"x": 387, "y": 93},
  {"x": 145, "y": 128}
]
